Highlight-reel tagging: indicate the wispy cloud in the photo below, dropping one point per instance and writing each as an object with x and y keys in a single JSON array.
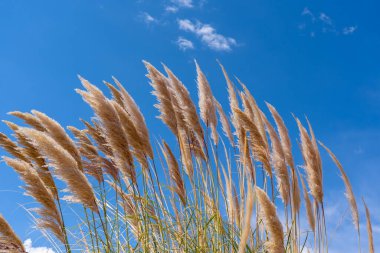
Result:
[
  {"x": 325, "y": 19},
  {"x": 183, "y": 3},
  {"x": 306, "y": 12},
  {"x": 208, "y": 35},
  {"x": 171, "y": 9},
  {"x": 30, "y": 249},
  {"x": 175, "y": 5},
  {"x": 184, "y": 44},
  {"x": 322, "y": 22},
  {"x": 147, "y": 18},
  {"x": 349, "y": 30}
]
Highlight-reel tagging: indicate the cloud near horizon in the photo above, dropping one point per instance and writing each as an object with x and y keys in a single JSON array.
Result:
[{"x": 30, "y": 249}]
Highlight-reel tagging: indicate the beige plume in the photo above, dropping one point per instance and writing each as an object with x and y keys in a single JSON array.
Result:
[
  {"x": 275, "y": 244},
  {"x": 279, "y": 163},
  {"x": 29, "y": 119},
  {"x": 349, "y": 192},
  {"x": 89, "y": 151},
  {"x": 309, "y": 206},
  {"x": 175, "y": 173},
  {"x": 50, "y": 218},
  {"x": 287, "y": 148},
  {"x": 369, "y": 229},
  {"x": 7, "y": 232},
  {"x": 137, "y": 117},
  {"x": 34, "y": 156},
  {"x": 58, "y": 133},
  {"x": 258, "y": 145},
  {"x": 247, "y": 220},
  {"x": 206, "y": 103},
  {"x": 114, "y": 133},
  {"x": 312, "y": 164},
  {"x": 188, "y": 109},
  {"x": 162, "y": 91},
  {"x": 66, "y": 168},
  {"x": 224, "y": 122}
]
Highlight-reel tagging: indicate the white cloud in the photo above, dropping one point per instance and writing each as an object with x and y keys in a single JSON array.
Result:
[
  {"x": 322, "y": 22},
  {"x": 175, "y": 5},
  {"x": 171, "y": 9},
  {"x": 184, "y": 44},
  {"x": 187, "y": 25},
  {"x": 306, "y": 12},
  {"x": 183, "y": 3},
  {"x": 349, "y": 30},
  {"x": 147, "y": 18},
  {"x": 30, "y": 249},
  {"x": 208, "y": 35},
  {"x": 325, "y": 19}
]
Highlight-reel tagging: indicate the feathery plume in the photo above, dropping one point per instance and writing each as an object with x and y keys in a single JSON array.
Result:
[
  {"x": 309, "y": 208},
  {"x": 58, "y": 133},
  {"x": 65, "y": 166},
  {"x": 132, "y": 135},
  {"x": 190, "y": 132},
  {"x": 284, "y": 135},
  {"x": 111, "y": 124},
  {"x": 369, "y": 229},
  {"x": 272, "y": 223},
  {"x": 34, "y": 186},
  {"x": 29, "y": 119},
  {"x": 97, "y": 133},
  {"x": 10, "y": 235},
  {"x": 257, "y": 115},
  {"x": 186, "y": 153},
  {"x": 312, "y": 163},
  {"x": 234, "y": 103},
  {"x": 88, "y": 151},
  {"x": 174, "y": 172},
  {"x": 35, "y": 156},
  {"x": 287, "y": 148},
  {"x": 162, "y": 91},
  {"x": 137, "y": 117},
  {"x": 224, "y": 122},
  {"x": 116, "y": 94},
  {"x": 11, "y": 147},
  {"x": 247, "y": 220},
  {"x": 206, "y": 103},
  {"x": 170, "y": 106},
  {"x": 247, "y": 161},
  {"x": 258, "y": 145},
  {"x": 279, "y": 163},
  {"x": 349, "y": 192},
  {"x": 186, "y": 105}
]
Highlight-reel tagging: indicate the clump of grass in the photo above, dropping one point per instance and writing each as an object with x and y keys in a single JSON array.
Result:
[{"x": 199, "y": 192}]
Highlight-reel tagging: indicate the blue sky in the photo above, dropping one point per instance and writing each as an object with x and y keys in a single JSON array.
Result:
[{"x": 314, "y": 58}]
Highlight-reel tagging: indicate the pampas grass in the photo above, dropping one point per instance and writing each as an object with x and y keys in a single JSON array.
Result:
[
  {"x": 349, "y": 192},
  {"x": 50, "y": 217},
  {"x": 194, "y": 191},
  {"x": 275, "y": 244},
  {"x": 371, "y": 246},
  {"x": 206, "y": 103},
  {"x": 66, "y": 167},
  {"x": 8, "y": 234}
]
